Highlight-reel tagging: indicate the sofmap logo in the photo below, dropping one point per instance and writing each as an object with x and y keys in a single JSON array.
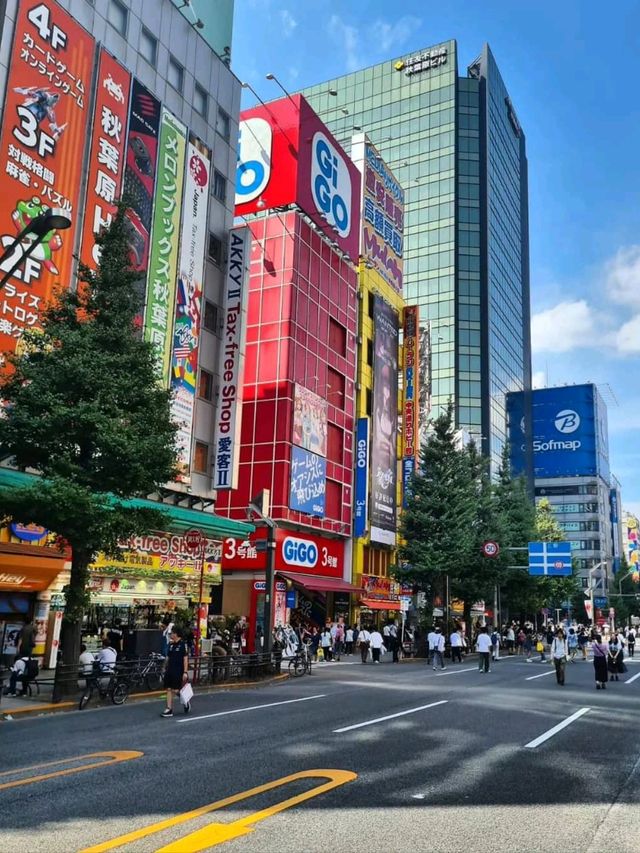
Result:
[
  {"x": 299, "y": 552},
  {"x": 254, "y": 159},
  {"x": 567, "y": 421},
  {"x": 331, "y": 184}
]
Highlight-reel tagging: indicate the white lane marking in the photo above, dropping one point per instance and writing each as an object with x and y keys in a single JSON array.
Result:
[
  {"x": 456, "y": 671},
  {"x": 250, "y": 708},
  {"x": 390, "y": 717},
  {"x": 554, "y": 731},
  {"x": 540, "y": 675},
  {"x": 633, "y": 678}
]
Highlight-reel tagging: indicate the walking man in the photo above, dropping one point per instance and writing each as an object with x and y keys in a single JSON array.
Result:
[
  {"x": 376, "y": 645},
  {"x": 177, "y": 670},
  {"x": 364, "y": 639},
  {"x": 484, "y": 646},
  {"x": 438, "y": 649},
  {"x": 456, "y": 646},
  {"x": 431, "y": 639},
  {"x": 559, "y": 653}
]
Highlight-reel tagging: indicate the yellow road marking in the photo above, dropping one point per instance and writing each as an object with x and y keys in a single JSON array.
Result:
[
  {"x": 216, "y": 833},
  {"x": 114, "y": 758}
]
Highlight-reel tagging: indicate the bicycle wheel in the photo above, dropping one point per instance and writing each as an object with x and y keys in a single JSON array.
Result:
[
  {"x": 296, "y": 667},
  {"x": 119, "y": 692},
  {"x": 86, "y": 697},
  {"x": 153, "y": 680}
]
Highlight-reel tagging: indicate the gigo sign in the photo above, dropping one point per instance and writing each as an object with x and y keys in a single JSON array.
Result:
[
  {"x": 254, "y": 159},
  {"x": 331, "y": 184},
  {"x": 299, "y": 552}
]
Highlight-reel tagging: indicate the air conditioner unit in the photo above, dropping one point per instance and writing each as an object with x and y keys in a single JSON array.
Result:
[
  {"x": 360, "y": 340},
  {"x": 358, "y": 386}
]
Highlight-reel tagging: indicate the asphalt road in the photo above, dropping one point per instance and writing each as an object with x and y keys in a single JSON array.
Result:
[{"x": 427, "y": 762}]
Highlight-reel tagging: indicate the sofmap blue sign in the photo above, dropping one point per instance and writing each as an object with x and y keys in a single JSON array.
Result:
[
  {"x": 361, "y": 491},
  {"x": 569, "y": 432},
  {"x": 308, "y": 482}
]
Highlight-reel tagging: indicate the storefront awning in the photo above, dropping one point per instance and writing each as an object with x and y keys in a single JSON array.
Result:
[
  {"x": 179, "y": 518},
  {"x": 317, "y": 584},
  {"x": 28, "y": 572},
  {"x": 375, "y": 604}
]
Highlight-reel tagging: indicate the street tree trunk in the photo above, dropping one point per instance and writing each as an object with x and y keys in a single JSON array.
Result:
[{"x": 76, "y": 601}]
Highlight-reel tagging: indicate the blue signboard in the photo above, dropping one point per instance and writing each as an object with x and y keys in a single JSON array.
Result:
[
  {"x": 308, "y": 482},
  {"x": 600, "y": 601},
  {"x": 408, "y": 469},
  {"x": 569, "y": 432},
  {"x": 550, "y": 558},
  {"x": 361, "y": 490}
]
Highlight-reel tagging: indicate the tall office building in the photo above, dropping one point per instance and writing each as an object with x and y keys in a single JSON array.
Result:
[{"x": 456, "y": 145}]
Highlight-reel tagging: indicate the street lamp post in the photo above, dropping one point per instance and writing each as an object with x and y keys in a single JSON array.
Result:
[
  {"x": 55, "y": 218},
  {"x": 259, "y": 506}
]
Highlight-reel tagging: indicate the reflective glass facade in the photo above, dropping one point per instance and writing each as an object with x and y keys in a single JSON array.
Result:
[{"x": 452, "y": 143}]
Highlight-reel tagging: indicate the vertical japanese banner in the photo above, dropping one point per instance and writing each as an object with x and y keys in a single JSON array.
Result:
[
  {"x": 106, "y": 158},
  {"x": 384, "y": 438},
  {"x": 163, "y": 261},
  {"x": 229, "y": 409},
  {"x": 410, "y": 414},
  {"x": 140, "y": 176},
  {"x": 186, "y": 329},
  {"x": 42, "y": 142}
]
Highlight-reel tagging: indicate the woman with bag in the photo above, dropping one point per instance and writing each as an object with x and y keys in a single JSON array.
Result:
[
  {"x": 176, "y": 674},
  {"x": 600, "y": 651},
  {"x": 615, "y": 659},
  {"x": 559, "y": 654}
]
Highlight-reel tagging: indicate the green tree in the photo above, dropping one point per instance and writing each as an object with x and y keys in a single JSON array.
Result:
[
  {"x": 84, "y": 409},
  {"x": 437, "y": 523}
]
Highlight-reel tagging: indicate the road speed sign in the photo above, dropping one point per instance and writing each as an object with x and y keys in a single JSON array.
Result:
[{"x": 490, "y": 548}]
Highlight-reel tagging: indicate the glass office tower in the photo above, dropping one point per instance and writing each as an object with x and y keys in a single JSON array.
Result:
[{"x": 457, "y": 147}]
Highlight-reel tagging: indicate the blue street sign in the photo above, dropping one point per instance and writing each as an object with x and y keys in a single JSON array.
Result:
[
  {"x": 550, "y": 558},
  {"x": 600, "y": 601}
]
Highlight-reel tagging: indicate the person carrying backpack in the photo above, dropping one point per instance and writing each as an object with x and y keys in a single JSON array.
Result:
[
  {"x": 24, "y": 670},
  {"x": 495, "y": 643}
]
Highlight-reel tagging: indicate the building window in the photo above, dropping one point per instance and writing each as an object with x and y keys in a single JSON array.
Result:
[
  {"x": 200, "y": 100},
  {"x": 219, "y": 185},
  {"x": 176, "y": 74},
  {"x": 372, "y": 301},
  {"x": 223, "y": 124},
  {"x": 118, "y": 16},
  {"x": 215, "y": 249},
  {"x": 201, "y": 458},
  {"x": 149, "y": 46},
  {"x": 210, "y": 316},
  {"x": 369, "y": 352},
  {"x": 205, "y": 386},
  {"x": 335, "y": 388},
  {"x": 337, "y": 337},
  {"x": 369, "y": 401}
]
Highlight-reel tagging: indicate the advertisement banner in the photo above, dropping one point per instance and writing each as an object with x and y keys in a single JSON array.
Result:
[
  {"x": 140, "y": 174},
  {"x": 361, "y": 495},
  {"x": 308, "y": 482},
  {"x": 385, "y": 423},
  {"x": 309, "y": 420},
  {"x": 186, "y": 328},
  {"x": 410, "y": 415},
  {"x": 301, "y": 552},
  {"x": 42, "y": 143},
  {"x": 226, "y": 453},
  {"x": 160, "y": 552},
  {"x": 382, "y": 231},
  {"x": 287, "y": 155},
  {"x": 106, "y": 158},
  {"x": 163, "y": 262},
  {"x": 387, "y": 589}
]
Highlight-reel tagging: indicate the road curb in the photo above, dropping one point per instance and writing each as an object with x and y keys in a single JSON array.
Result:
[{"x": 59, "y": 707}]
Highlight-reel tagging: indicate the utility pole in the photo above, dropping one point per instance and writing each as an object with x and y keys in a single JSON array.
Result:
[{"x": 260, "y": 507}]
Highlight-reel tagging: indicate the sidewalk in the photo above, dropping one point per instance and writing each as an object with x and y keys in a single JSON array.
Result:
[{"x": 36, "y": 702}]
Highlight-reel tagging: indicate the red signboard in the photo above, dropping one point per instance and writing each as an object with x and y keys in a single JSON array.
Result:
[
  {"x": 286, "y": 155},
  {"x": 106, "y": 160},
  {"x": 303, "y": 553},
  {"x": 44, "y": 129}
]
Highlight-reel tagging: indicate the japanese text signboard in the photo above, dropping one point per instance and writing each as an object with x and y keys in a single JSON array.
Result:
[
  {"x": 163, "y": 261},
  {"x": 44, "y": 129},
  {"x": 229, "y": 409},
  {"x": 382, "y": 231},
  {"x": 410, "y": 415},
  {"x": 308, "y": 482},
  {"x": 140, "y": 174},
  {"x": 186, "y": 329},
  {"x": 361, "y": 503},
  {"x": 106, "y": 158}
]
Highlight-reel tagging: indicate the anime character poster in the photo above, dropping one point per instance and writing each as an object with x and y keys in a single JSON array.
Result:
[{"x": 309, "y": 421}]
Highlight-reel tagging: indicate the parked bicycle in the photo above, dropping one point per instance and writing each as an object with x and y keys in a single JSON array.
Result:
[
  {"x": 300, "y": 663},
  {"x": 148, "y": 673},
  {"x": 107, "y": 685}
]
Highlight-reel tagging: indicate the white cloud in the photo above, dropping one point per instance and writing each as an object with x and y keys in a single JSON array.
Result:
[
  {"x": 539, "y": 379},
  {"x": 390, "y": 37},
  {"x": 288, "y": 22},
  {"x": 293, "y": 72},
  {"x": 627, "y": 339},
  {"x": 346, "y": 36},
  {"x": 623, "y": 275},
  {"x": 566, "y": 326}
]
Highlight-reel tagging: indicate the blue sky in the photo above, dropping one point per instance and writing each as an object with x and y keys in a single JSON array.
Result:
[{"x": 571, "y": 67}]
